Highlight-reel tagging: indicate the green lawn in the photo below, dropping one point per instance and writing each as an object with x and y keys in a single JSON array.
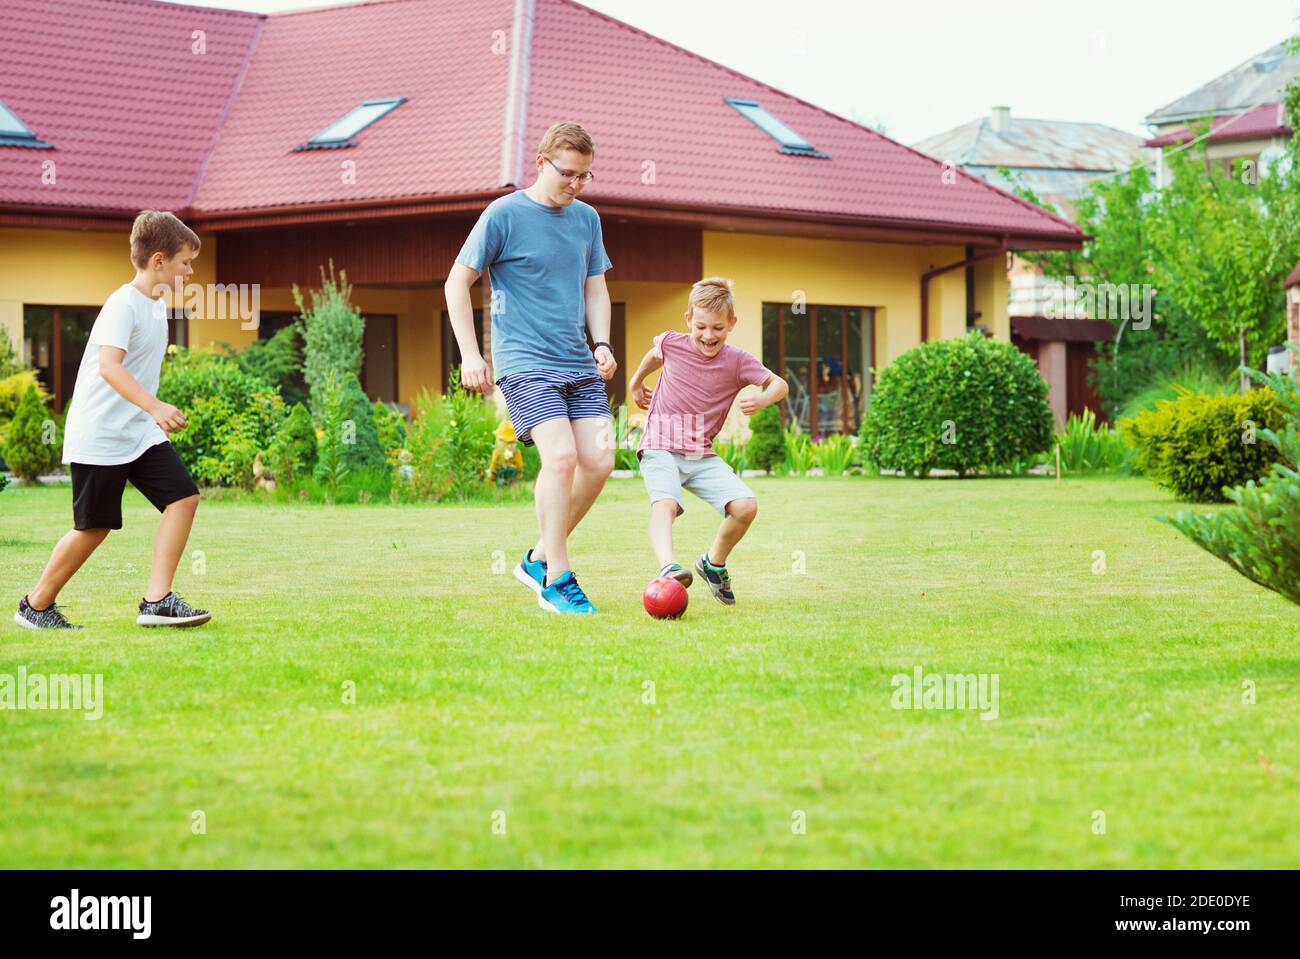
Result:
[{"x": 1120, "y": 691}]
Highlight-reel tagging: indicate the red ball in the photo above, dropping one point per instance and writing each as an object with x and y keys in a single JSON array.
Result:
[{"x": 665, "y": 598}]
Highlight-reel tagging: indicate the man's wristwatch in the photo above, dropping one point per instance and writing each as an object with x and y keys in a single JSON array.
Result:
[{"x": 597, "y": 346}]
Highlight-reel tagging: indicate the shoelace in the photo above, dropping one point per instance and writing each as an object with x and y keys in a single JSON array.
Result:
[
  {"x": 52, "y": 615},
  {"x": 573, "y": 592}
]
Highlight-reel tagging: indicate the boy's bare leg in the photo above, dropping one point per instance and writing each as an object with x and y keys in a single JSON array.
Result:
[
  {"x": 740, "y": 513},
  {"x": 169, "y": 545},
  {"x": 593, "y": 442},
  {"x": 662, "y": 514},
  {"x": 553, "y": 491},
  {"x": 69, "y": 554}
]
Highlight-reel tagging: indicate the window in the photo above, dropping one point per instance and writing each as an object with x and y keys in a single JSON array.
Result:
[
  {"x": 451, "y": 349},
  {"x": 341, "y": 131},
  {"x": 791, "y": 142},
  {"x": 13, "y": 132},
  {"x": 825, "y": 354},
  {"x": 54, "y": 340}
]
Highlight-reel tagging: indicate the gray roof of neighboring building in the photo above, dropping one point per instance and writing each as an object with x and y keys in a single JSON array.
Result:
[{"x": 1261, "y": 79}]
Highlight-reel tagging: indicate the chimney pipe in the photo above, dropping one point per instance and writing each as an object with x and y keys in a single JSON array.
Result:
[{"x": 1001, "y": 119}]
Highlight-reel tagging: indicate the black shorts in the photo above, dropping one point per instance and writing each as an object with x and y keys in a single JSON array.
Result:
[{"x": 97, "y": 490}]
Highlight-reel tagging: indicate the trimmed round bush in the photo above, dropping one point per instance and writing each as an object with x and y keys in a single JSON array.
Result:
[
  {"x": 32, "y": 445},
  {"x": 1199, "y": 444},
  {"x": 965, "y": 404}
]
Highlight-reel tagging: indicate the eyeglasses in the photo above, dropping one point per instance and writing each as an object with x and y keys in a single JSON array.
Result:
[{"x": 581, "y": 179}]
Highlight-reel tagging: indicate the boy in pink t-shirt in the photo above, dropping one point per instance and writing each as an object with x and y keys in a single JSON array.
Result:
[{"x": 701, "y": 377}]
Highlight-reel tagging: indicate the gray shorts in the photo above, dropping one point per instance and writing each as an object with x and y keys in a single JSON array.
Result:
[{"x": 708, "y": 477}]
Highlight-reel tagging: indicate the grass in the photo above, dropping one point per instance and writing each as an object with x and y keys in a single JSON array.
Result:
[{"x": 1120, "y": 691}]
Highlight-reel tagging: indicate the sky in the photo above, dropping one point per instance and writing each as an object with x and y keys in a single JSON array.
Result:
[{"x": 920, "y": 68}]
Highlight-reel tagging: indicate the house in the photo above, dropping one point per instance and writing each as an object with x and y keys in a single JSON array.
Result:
[
  {"x": 1059, "y": 161},
  {"x": 1293, "y": 314},
  {"x": 1244, "y": 107},
  {"x": 372, "y": 135}
]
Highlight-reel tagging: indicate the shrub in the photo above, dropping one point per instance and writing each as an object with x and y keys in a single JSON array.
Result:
[
  {"x": 735, "y": 455},
  {"x": 276, "y": 361},
  {"x": 1197, "y": 445},
  {"x": 331, "y": 438},
  {"x": 1087, "y": 447},
  {"x": 231, "y": 416},
  {"x": 834, "y": 454},
  {"x": 356, "y": 430},
  {"x": 32, "y": 445},
  {"x": 766, "y": 447},
  {"x": 798, "y": 452},
  {"x": 964, "y": 404},
  {"x": 390, "y": 427},
  {"x": 331, "y": 331},
  {"x": 292, "y": 453},
  {"x": 12, "y": 389},
  {"x": 1259, "y": 536},
  {"x": 10, "y": 363},
  {"x": 451, "y": 441}
]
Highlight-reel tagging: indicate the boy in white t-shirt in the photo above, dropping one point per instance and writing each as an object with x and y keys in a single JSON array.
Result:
[{"x": 115, "y": 432}]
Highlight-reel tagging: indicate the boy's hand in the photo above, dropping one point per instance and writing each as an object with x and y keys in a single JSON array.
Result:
[
  {"x": 475, "y": 375},
  {"x": 749, "y": 405},
  {"x": 605, "y": 363},
  {"x": 641, "y": 395},
  {"x": 169, "y": 418}
]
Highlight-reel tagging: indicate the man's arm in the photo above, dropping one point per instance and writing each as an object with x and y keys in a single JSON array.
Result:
[
  {"x": 597, "y": 296},
  {"x": 652, "y": 361},
  {"x": 474, "y": 372},
  {"x": 168, "y": 417},
  {"x": 774, "y": 391}
]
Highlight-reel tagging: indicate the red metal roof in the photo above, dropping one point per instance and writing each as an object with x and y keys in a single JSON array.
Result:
[
  {"x": 1069, "y": 331},
  {"x": 1263, "y": 121},
  {"x": 477, "y": 103}
]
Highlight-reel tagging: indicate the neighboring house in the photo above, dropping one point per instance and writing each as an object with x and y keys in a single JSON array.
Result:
[
  {"x": 846, "y": 248},
  {"x": 1244, "y": 107},
  {"x": 1059, "y": 160}
]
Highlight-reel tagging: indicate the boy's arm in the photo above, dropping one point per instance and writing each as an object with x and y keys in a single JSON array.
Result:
[
  {"x": 652, "y": 361},
  {"x": 168, "y": 417},
  {"x": 774, "y": 391}
]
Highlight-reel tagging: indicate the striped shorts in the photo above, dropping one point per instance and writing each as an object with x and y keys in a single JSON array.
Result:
[{"x": 534, "y": 396}]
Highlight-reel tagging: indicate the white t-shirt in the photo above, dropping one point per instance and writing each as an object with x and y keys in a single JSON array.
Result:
[{"x": 103, "y": 428}]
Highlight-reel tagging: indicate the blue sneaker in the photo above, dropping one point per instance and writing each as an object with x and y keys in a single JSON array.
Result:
[
  {"x": 531, "y": 572},
  {"x": 565, "y": 596}
]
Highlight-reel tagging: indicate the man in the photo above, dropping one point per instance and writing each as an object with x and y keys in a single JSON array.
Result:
[{"x": 543, "y": 251}]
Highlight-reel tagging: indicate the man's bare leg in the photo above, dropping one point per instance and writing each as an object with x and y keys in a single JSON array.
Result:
[
  {"x": 69, "y": 554},
  {"x": 169, "y": 545},
  {"x": 552, "y": 492},
  {"x": 594, "y": 450}
]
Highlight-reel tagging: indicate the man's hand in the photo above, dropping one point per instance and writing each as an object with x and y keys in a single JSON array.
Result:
[
  {"x": 476, "y": 376},
  {"x": 169, "y": 418},
  {"x": 749, "y": 405},
  {"x": 640, "y": 395},
  {"x": 605, "y": 364}
]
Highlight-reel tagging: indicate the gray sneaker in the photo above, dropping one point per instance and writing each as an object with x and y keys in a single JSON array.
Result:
[
  {"x": 171, "y": 610},
  {"x": 719, "y": 580},
  {"x": 679, "y": 573},
  {"x": 49, "y": 618}
]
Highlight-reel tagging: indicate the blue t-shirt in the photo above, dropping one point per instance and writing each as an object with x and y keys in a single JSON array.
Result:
[{"x": 539, "y": 258}]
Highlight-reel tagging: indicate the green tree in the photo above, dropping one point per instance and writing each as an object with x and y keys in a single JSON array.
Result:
[
  {"x": 32, "y": 445},
  {"x": 332, "y": 331}
]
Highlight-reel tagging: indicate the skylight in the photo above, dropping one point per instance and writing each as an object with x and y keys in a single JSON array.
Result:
[
  {"x": 341, "y": 131},
  {"x": 791, "y": 142},
  {"x": 13, "y": 132}
]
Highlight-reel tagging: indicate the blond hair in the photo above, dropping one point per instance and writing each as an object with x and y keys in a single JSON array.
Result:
[
  {"x": 713, "y": 293},
  {"x": 155, "y": 231},
  {"x": 567, "y": 135}
]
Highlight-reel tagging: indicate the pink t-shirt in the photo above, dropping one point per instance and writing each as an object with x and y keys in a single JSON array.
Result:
[{"x": 694, "y": 394}]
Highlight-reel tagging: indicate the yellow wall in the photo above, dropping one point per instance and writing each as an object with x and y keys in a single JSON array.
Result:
[{"x": 80, "y": 268}]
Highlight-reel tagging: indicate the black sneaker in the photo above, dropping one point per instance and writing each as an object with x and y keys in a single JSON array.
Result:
[
  {"x": 49, "y": 618},
  {"x": 718, "y": 578},
  {"x": 679, "y": 573},
  {"x": 171, "y": 610}
]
